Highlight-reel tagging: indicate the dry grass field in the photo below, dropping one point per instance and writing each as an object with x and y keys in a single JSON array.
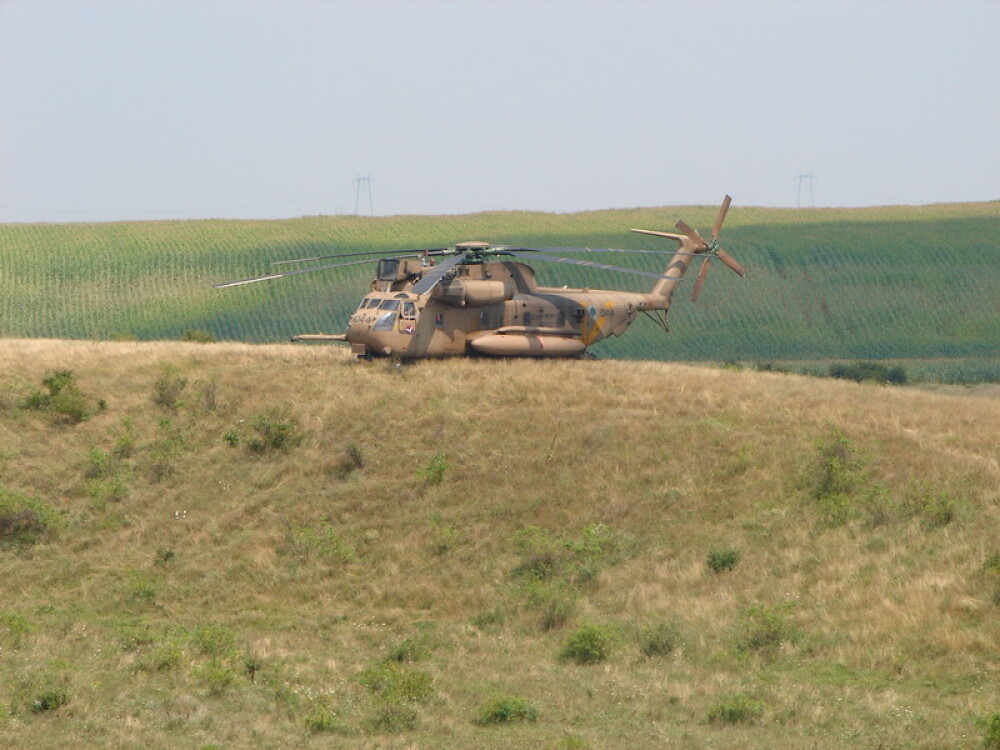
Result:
[{"x": 228, "y": 545}]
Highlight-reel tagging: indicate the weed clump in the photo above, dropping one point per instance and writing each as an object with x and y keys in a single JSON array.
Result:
[
  {"x": 659, "y": 640},
  {"x": 588, "y": 644},
  {"x": 433, "y": 473},
  {"x": 506, "y": 709},
  {"x": 736, "y": 709},
  {"x": 722, "y": 560}
]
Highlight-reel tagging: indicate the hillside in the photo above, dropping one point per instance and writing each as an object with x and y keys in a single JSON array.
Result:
[
  {"x": 274, "y": 546},
  {"x": 915, "y": 284}
]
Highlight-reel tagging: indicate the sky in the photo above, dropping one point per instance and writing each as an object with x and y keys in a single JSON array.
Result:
[{"x": 174, "y": 109}]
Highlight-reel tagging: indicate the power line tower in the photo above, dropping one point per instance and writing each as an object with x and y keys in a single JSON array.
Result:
[
  {"x": 812, "y": 196},
  {"x": 367, "y": 180}
]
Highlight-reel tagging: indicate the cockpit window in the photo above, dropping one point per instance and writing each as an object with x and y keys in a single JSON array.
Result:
[
  {"x": 409, "y": 310},
  {"x": 385, "y": 322},
  {"x": 389, "y": 304}
]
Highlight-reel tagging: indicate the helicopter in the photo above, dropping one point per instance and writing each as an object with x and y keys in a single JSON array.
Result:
[{"x": 475, "y": 298}]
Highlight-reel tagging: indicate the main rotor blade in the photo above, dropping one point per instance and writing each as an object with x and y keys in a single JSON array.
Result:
[
  {"x": 691, "y": 233},
  {"x": 721, "y": 217},
  {"x": 668, "y": 235},
  {"x": 297, "y": 271},
  {"x": 431, "y": 279},
  {"x": 702, "y": 273},
  {"x": 353, "y": 255},
  {"x": 562, "y": 250},
  {"x": 592, "y": 264},
  {"x": 730, "y": 261}
]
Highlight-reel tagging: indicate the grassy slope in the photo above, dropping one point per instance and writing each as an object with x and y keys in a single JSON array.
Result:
[
  {"x": 892, "y": 282},
  {"x": 863, "y": 608}
]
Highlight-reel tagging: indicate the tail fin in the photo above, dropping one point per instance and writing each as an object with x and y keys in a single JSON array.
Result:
[{"x": 663, "y": 290}]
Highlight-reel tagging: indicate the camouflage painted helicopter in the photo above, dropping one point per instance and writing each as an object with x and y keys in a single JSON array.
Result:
[{"x": 478, "y": 299}]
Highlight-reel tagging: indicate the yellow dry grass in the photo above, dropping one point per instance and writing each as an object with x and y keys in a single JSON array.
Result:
[{"x": 868, "y": 618}]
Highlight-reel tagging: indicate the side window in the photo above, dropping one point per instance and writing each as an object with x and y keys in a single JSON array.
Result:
[{"x": 409, "y": 311}]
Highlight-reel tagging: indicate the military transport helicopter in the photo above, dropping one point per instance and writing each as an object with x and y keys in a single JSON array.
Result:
[{"x": 477, "y": 298}]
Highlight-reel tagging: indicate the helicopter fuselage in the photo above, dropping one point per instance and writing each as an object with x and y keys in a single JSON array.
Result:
[{"x": 493, "y": 308}]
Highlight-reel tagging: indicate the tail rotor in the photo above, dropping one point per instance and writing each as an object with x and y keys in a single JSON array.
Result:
[{"x": 711, "y": 249}]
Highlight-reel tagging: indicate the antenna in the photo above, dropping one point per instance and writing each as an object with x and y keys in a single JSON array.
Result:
[
  {"x": 812, "y": 196},
  {"x": 367, "y": 179}
]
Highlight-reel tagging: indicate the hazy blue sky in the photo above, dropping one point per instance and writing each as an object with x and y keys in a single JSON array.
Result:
[{"x": 190, "y": 109}]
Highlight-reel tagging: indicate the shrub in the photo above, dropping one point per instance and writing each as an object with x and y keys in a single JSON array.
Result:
[
  {"x": 659, "y": 640},
  {"x": 351, "y": 461},
  {"x": 555, "y": 601},
  {"x": 724, "y": 559},
  {"x": 765, "y": 629},
  {"x": 275, "y": 431},
  {"x": 168, "y": 388},
  {"x": 873, "y": 372},
  {"x": 64, "y": 399},
  {"x": 992, "y": 739},
  {"x": 408, "y": 650},
  {"x": 736, "y": 709},
  {"x": 49, "y": 700},
  {"x": 506, "y": 709},
  {"x": 24, "y": 520},
  {"x": 588, "y": 644}
]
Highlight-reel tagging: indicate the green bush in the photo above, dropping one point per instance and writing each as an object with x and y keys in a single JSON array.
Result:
[
  {"x": 506, "y": 709},
  {"x": 736, "y": 709},
  {"x": 723, "y": 559},
  {"x": 588, "y": 644},
  {"x": 64, "y": 400},
  {"x": 25, "y": 520},
  {"x": 874, "y": 372},
  {"x": 274, "y": 431},
  {"x": 765, "y": 629},
  {"x": 659, "y": 640}
]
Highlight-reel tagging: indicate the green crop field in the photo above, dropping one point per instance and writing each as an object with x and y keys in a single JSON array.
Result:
[{"x": 913, "y": 284}]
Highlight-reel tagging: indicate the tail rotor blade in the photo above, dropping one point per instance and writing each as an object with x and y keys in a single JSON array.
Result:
[
  {"x": 730, "y": 261},
  {"x": 691, "y": 233},
  {"x": 700, "y": 281},
  {"x": 723, "y": 209}
]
